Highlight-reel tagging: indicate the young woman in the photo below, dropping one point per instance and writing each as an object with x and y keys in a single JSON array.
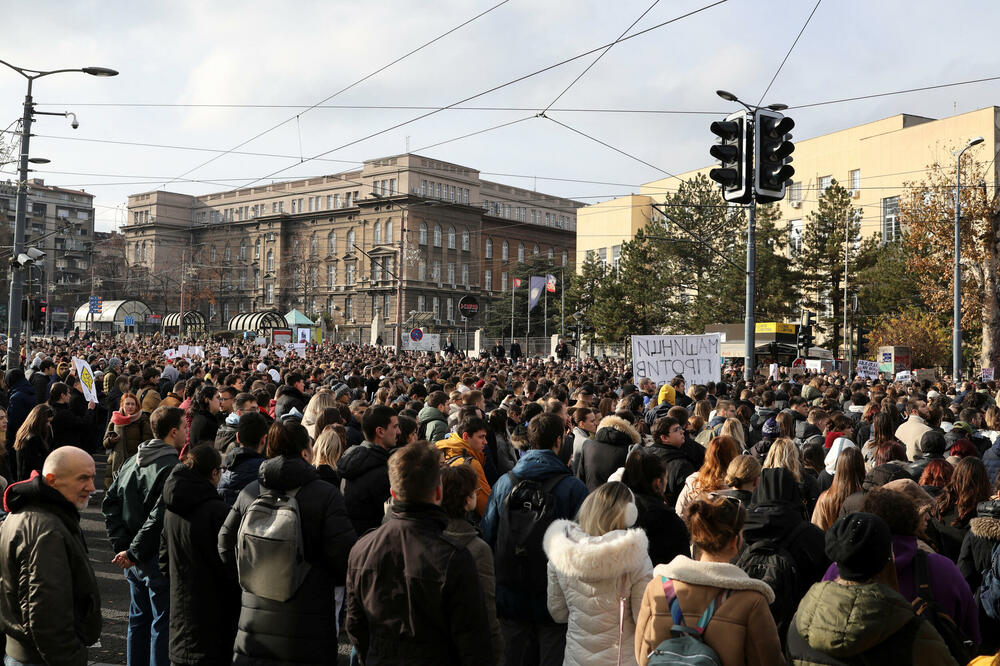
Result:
[
  {"x": 741, "y": 477},
  {"x": 712, "y": 475},
  {"x": 585, "y": 422},
  {"x": 850, "y": 474},
  {"x": 204, "y": 412},
  {"x": 733, "y": 427},
  {"x": 883, "y": 446},
  {"x": 936, "y": 476},
  {"x": 327, "y": 450},
  {"x": 128, "y": 428},
  {"x": 741, "y": 630},
  {"x": 646, "y": 476},
  {"x": 956, "y": 505},
  {"x": 598, "y": 568},
  {"x": 32, "y": 441},
  {"x": 321, "y": 400},
  {"x": 784, "y": 454}
]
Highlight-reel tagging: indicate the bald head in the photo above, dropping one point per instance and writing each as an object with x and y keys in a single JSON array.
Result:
[{"x": 70, "y": 470}]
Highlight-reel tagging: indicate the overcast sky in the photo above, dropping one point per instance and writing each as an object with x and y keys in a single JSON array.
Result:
[{"x": 298, "y": 53}]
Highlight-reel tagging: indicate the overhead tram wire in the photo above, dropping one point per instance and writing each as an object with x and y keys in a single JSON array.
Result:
[
  {"x": 617, "y": 150},
  {"x": 788, "y": 53},
  {"x": 384, "y": 107},
  {"x": 490, "y": 90},
  {"x": 348, "y": 87}
]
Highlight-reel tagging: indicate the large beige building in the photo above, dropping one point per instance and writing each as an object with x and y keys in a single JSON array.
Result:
[
  {"x": 331, "y": 245},
  {"x": 874, "y": 161}
]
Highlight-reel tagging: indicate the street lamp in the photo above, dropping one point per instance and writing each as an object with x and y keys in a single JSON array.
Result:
[
  {"x": 17, "y": 271},
  {"x": 956, "y": 331}
]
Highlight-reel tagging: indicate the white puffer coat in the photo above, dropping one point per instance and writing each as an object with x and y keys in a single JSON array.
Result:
[{"x": 586, "y": 578}]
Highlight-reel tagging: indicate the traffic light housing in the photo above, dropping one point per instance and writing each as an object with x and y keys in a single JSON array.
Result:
[
  {"x": 772, "y": 154},
  {"x": 38, "y": 314},
  {"x": 733, "y": 153},
  {"x": 804, "y": 339},
  {"x": 863, "y": 340}
]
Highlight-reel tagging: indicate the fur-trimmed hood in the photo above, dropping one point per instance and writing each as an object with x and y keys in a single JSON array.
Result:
[
  {"x": 573, "y": 552},
  {"x": 616, "y": 425},
  {"x": 986, "y": 528},
  {"x": 712, "y": 574}
]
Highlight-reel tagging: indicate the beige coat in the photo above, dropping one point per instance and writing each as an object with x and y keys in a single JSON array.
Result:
[
  {"x": 910, "y": 432},
  {"x": 742, "y": 631},
  {"x": 587, "y": 576}
]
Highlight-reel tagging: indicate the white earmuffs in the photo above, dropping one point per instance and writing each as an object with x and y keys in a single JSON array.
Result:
[{"x": 631, "y": 512}]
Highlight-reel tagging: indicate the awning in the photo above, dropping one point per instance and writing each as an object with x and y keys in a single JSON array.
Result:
[
  {"x": 112, "y": 312},
  {"x": 296, "y": 318},
  {"x": 192, "y": 318},
  {"x": 257, "y": 321}
]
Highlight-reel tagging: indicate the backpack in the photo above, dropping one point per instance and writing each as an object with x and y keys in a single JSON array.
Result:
[
  {"x": 466, "y": 460},
  {"x": 686, "y": 645},
  {"x": 269, "y": 551},
  {"x": 989, "y": 590},
  {"x": 959, "y": 645},
  {"x": 528, "y": 510},
  {"x": 770, "y": 561}
]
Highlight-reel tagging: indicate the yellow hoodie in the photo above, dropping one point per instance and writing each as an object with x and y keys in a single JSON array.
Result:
[{"x": 457, "y": 450}]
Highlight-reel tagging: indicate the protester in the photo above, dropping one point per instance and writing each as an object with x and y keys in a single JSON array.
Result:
[
  {"x": 466, "y": 446},
  {"x": 646, "y": 476},
  {"x": 712, "y": 475},
  {"x": 241, "y": 464},
  {"x": 128, "y": 428},
  {"x": 599, "y": 458},
  {"x": 365, "y": 469},
  {"x": 33, "y": 441},
  {"x": 848, "y": 480}
]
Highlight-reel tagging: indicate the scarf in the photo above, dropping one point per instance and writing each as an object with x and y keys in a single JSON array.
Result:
[{"x": 120, "y": 418}]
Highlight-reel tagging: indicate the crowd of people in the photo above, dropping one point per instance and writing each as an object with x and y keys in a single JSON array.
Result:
[{"x": 266, "y": 505}]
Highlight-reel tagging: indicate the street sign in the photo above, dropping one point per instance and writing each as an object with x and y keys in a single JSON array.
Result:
[
  {"x": 468, "y": 307},
  {"x": 96, "y": 304},
  {"x": 129, "y": 320},
  {"x": 799, "y": 363},
  {"x": 416, "y": 335}
]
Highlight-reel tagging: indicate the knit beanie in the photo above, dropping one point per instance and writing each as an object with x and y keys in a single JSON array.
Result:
[
  {"x": 770, "y": 430},
  {"x": 861, "y": 545}
]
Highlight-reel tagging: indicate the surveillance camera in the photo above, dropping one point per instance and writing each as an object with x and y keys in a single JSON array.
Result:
[
  {"x": 34, "y": 253},
  {"x": 74, "y": 124},
  {"x": 24, "y": 260},
  {"x": 73, "y": 121}
]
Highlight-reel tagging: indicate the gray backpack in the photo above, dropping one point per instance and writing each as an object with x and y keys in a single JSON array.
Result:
[{"x": 269, "y": 553}]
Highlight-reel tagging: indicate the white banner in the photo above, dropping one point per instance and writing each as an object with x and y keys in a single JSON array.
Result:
[
  {"x": 868, "y": 369},
  {"x": 224, "y": 352},
  {"x": 86, "y": 376},
  {"x": 430, "y": 342},
  {"x": 662, "y": 357}
]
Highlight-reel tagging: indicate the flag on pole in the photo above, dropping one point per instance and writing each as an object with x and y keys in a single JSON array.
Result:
[
  {"x": 517, "y": 282},
  {"x": 536, "y": 285},
  {"x": 550, "y": 283}
]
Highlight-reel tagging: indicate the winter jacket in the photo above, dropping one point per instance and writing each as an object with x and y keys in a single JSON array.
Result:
[
  {"x": 506, "y": 454},
  {"x": 225, "y": 436},
  {"x": 133, "y": 512},
  {"x": 579, "y": 438},
  {"x": 667, "y": 533},
  {"x": 947, "y": 585},
  {"x": 433, "y": 424},
  {"x": 910, "y": 433},
  {"x": 354, "y": 434},
  {"x": 679, "y": 468},
  {"x": 202, "y": 429},
  {"x": 414, "y": 596},
  {"x": 50, "y": 604},
  {"x": 365, "y": 471},
  {"x": 40, "y": 381},
  {"x": 742, "y": 630},
  {"x": 862, "y": 624},
  {"x": 463, "y": 532},
  {"x": 602, "y": 456},
  {"x": 458, "y": 452},
  {"x": 977, "y": 550},
  {"x": 204, "y": 595},
  {"x": 31, "y": 456},
  {"x": 300, "y": 630},
  {"x": 948, "y": 538},
  {"x": 70, "y": 429},
  {"x": 538, "y": 465},
  {"x": 587, "y": 577},
  {"x": 660, "y": 410},
  {"x": 291, "y": 398},
  {"x": 239, "y": 469},
  {"x": 992, "y": 460},
  {"x": 119, "y": 450},
  {"x": 149, "y": 398},
  {"x": 19, "y": 405}
]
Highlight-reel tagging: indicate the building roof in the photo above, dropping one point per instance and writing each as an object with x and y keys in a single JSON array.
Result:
[
  {"x": 296, "y": 318},
  {"x": 112, "y": 311},
  {"x": 257, "y": 321}
]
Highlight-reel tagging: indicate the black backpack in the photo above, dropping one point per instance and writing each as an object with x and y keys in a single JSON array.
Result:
[
  {"x": 770, "y": 561},
  {"x": 959, "y": 645},
  {"x": 527, "y": 512}
]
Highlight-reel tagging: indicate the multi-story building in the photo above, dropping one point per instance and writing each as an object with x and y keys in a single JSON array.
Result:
[
  {"x": 59, "y": 222},
  {"x": 330, "y": 246},
  {"x": 874, "y": 161}
]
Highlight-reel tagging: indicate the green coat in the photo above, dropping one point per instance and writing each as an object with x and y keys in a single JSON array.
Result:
[{"x": 862, "y": 624}]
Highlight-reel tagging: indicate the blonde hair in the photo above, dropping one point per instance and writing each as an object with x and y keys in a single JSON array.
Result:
[
  {"x": 320, "y": 401},
  {"x": 733, "y": 427},
  {"x": 328, "y": 448},
  {"x": 742, "y": 469},
  {"x": 604, "y": 509},
  {"x": 785, "y": 455}
]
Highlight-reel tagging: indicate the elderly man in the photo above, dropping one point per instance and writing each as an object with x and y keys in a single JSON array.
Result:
[{"x": 50, "y": 607}]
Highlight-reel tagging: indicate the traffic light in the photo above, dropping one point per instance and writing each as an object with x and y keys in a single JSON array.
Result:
[
  {"x": 38, "y": 314},
  {"x": 733, "y": 153},
  {"x": 863, "y": 340},
  {"x": 24, "y": 309},
  {"x": 804, "y": 340},
  {"x": 772, "y": 153}
]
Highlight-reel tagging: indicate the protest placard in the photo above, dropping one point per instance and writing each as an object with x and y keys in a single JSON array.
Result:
[
  {"x": 224, "y": 352},
  {"x": 868, "y": 369},
  {"x": 987, "y": 374},
  {"x": 662, "y": 357},
  {"x": 86, "y": 376}
]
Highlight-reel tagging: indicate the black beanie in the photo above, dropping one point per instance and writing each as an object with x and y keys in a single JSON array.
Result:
[{"x": 861, "y": 545}]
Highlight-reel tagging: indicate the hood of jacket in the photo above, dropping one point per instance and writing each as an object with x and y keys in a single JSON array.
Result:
[
  {"x": 461, "y": 530},
  {"x": 240, "y": 455},
  {"x": 185, "y": 491},
  {"x": 846, "y": 620},
  {"x": 23, "y": 386},
  {"x": 776, "y": 486},
  {"x": 360, "y": 459},
  {"x": 453, "y": 445},
  {"x": 573, "y": 552},
  {"x": 617, "y": 432},
  {"x": 765, "y": 413},
  {"x": 170, "y": 374},
  {"x": 839, "y": 444},
  {"x": 286, "y": 473},
  {"x": 153, "y": 450},
  {"x": 986, "y": 528},
  {"x": 712, "y": 574},
  {"x": 428, "y": 414},
  {"x": 33, "y": 492},
  {"x": 539, "y": 464}
]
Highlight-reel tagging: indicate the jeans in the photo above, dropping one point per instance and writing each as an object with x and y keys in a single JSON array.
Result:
[
  {"x": 148, "y": 616},
  {"x": 10, "y": 661},
  {"x": 533, "y": 644}
]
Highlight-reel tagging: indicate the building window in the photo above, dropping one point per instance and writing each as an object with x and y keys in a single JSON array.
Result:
[
  {"x": 423, "y": 188},
  {"x": 377, "y": 233},
  {"x": 243, "y": 278},
  {"x": 489, "y": 248},
  {"x": 313, "y": 277},
  {"x": 451, "y": 274},
  {"x": 437, "y": 235},
  {"x": 243, "y": 249},
  {"x": 465, "y": 274},
  {"x": 855, "y": 180},
  {"x": 211, "y": 253},
  {"x": 351, "y": 268},
  {"x": 795, "y": 237},
  {"x": 436, "y": 271},
  {"x": 436, "y": 307},
  {"x": 535, "y": 250},
  {"x": 450, "y": 308},
  {"x": 551, "y": 255},
  {"x": 465, "y": 240},
  {"x": 331, "y": 243},
  {"x": 421, "y": 304},
  {"x": 565, "y": 258},
  {"x": 488, "y": 280},
  {"x": 269, "y": 293},
  {"x": 505, "y": 251},
  {"x": 388, "y": 231},
  {"x": 350, "y": 240},
  {"x": 503, "y": 282},
  {"x": 331, "y": 275},
  {"x": 421, "y": 270},
  {"x": 295, "y": 247},
  {"x": 616, "y": 256},
  {"x": 376, "y": 270},
  {"x": 336, "y": 201},
  {"x": 349, "y": 308},
  {"x": 520, "y": 252},
  {"x": 256, "y": 278},
  {"x": 824, "y": 184},
  {"x": 270, "y": 261},
  {"x": 451, "y": 238},
  {"x": 890, "y": 220},
  {"x": 422, "y": 234}
]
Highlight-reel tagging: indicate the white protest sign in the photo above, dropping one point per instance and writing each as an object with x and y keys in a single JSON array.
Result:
[
  {"x": 279, "y": 353},
  {"x": 224, "y": 352},
  {"x": 260, "y": 340},
  {"x": 169, "y": 353},
  {"x": 183, "y": 350},
  {"x": 300, "y": 349},
  {"x": 263, "y": 352},
  {"x": 903, "y": 376},
  {"x": 868, "y": 369},
  {"x": 662, "y": 357},
  {"x": 427, "y": 342},
  {"x": 197, "y": 351},
  {"x": 86, "y": 376},
  {"x": 773, "y": 371},
  {"x": 987, "y": 374}
]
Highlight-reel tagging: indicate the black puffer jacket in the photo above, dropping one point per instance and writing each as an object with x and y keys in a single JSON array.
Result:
[
  {"x": 414, "y": 596},
  {"x": 204, "y": 594},
  {"x": 240, "y": 468},
  {"x": 203, "y": 428},
  {"x": 302, "y": 629},
  {"x": 679, "y": 468},
  {"x": 601, "y": 456},
  {"x": 667, "y": 534},
  {"x": 977, "y": 549},
  {"x": 290, "y": 398},
  {"x": 365, "y": 471},
  {"x": 50, "y": 605}
]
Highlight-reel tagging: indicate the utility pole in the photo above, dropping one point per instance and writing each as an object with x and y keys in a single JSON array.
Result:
[
  {"x": 400, "y": 267},
  {"x": 180, "y": 321},
  {"x": 749, "y": 321},
  {"x": 847, "y": 340}
]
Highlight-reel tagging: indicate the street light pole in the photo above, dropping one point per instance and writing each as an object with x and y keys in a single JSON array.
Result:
[
  {"x": 17, "y": 272},
  {"x": 956, "y": 331}
]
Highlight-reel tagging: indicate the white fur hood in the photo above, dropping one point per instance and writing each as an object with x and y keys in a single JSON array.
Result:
[
  {"x": 573, "y": 552},
  {"x": 712, "y": 574},
  {"x": 622, "y": 426}
]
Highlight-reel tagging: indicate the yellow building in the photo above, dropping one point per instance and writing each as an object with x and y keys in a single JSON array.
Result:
[{"x": 874, "y": 161}]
